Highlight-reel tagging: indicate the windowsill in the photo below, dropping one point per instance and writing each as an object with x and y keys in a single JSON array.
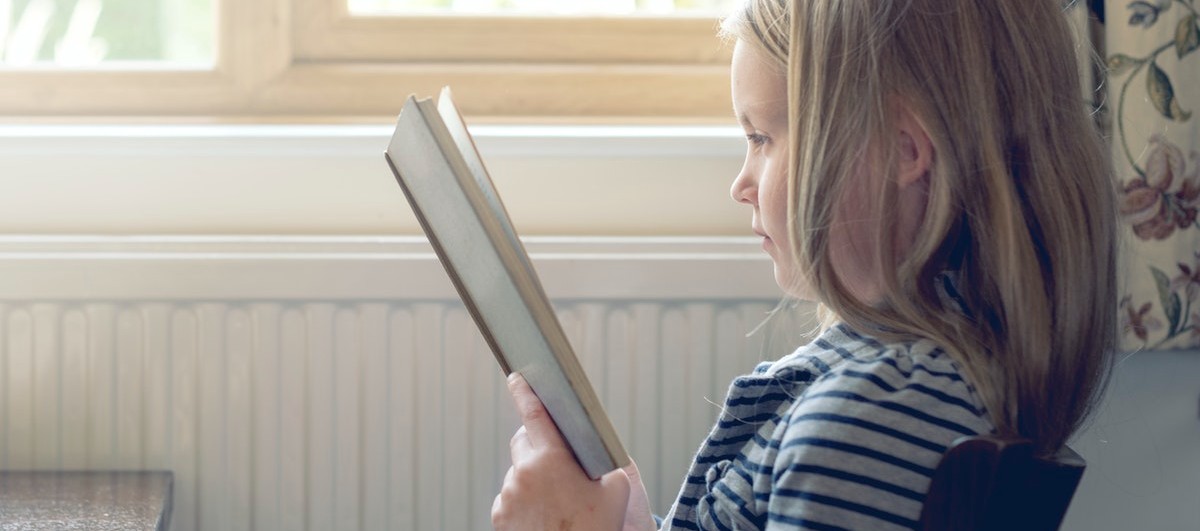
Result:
[
  {"x": 321, "y": 179},
  {"x": 492, "y": 139}
]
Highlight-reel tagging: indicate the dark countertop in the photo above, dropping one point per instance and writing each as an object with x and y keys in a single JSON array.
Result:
[{"x": 45, "y": 500}]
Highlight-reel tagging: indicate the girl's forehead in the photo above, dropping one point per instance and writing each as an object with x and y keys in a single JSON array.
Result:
[{"x": 759, "y": 89}]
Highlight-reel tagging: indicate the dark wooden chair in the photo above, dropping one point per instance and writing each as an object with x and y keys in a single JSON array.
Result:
[{"x": 988, "y": 483}]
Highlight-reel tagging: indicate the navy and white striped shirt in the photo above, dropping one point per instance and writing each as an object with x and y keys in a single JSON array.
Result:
[{"x": 842, "y": 434}]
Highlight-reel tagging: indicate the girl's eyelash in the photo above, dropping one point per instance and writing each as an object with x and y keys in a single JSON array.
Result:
[{"x": 756, "y": 139}]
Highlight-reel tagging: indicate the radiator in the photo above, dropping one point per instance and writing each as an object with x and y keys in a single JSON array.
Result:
[{"x": 337, "y": 383}]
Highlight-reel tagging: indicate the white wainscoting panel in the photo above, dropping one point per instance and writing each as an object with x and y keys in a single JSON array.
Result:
[{"x": 337, "y": 383}]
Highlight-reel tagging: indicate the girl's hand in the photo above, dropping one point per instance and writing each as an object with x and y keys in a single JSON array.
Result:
[{"x": 545, "y": 489}]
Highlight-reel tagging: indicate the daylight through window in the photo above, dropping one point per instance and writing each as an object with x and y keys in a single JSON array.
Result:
[
  {"x": 541, "y": 7},
  {"x": 98, "y": 33}
]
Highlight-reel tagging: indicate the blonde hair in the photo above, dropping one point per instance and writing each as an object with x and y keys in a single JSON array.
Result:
[{"x": 1021, "y": 201}]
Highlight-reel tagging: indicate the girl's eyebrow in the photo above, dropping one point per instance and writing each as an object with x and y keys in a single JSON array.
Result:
[
  {"x": 743, "y": 119},
  {"x": 765, "y": 114}
]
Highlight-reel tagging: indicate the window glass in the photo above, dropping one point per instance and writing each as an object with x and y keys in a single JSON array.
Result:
[
  {"x": 541, "y": 7},
  {"x": 100, "y": 33}
]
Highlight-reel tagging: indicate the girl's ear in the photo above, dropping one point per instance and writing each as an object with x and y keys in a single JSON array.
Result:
[{"x": 915, "y": 149}]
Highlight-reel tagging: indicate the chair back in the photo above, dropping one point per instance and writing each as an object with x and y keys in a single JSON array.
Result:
[{"x": 987, "y": 483}]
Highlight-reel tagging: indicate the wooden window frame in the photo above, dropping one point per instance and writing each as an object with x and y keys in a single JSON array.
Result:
[{"x": 311, "y": 60}]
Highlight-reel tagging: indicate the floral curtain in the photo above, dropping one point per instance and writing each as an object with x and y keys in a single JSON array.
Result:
[{"x": 1153, "y": 81}]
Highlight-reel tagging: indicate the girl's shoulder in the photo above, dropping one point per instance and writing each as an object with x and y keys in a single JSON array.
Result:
[
  {"x": 908, "y": 384},
  {"x": 841, "y": 359},
  {"x": 861, "y": 439}
]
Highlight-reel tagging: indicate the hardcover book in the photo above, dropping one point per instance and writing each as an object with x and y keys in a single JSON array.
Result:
[{"x": 435, "y": 161}]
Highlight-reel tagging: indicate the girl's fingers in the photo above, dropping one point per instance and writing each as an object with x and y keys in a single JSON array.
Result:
[
  {"x": 545, "y": 486},
  {"x": 519, "y": 447},
  {"x": 496, "y": 507},
  {"x": 539, "y": 427}
]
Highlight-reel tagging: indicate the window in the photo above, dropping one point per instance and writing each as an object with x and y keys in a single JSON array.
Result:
[
  {"x": 650, "y": 60},
  {"x": 90, "y": 33},
  {"x": 540, "y": 7}
]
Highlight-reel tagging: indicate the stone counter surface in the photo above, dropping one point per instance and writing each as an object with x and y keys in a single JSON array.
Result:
[{"x": 95, "y": 501}]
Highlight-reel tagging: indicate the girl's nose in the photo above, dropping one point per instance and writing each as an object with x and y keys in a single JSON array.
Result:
[{"x": 744, "y": 189}]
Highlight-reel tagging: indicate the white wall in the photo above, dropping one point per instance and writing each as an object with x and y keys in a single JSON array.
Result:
[{"x": 1143, "y": 450}]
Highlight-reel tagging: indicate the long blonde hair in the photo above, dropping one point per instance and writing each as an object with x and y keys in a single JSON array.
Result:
[{"x": 1021, "y": 201}]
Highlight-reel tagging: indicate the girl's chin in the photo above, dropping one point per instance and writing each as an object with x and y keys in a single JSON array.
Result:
[
  {"x": 789, "y": 284},
  {"x": 783, "y": 279}
]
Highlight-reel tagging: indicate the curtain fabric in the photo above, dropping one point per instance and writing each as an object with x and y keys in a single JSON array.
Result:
[{"x": 1153, "y": 81}]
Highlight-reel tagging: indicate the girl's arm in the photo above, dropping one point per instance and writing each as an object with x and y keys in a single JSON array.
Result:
[{"x": 546, "y": 489}]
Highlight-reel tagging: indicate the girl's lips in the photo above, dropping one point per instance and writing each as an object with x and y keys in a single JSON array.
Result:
[{"x": 766, "y": 240}]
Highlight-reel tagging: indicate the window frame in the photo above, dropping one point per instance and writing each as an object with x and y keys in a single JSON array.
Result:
[{"x": 311, "y": 60}]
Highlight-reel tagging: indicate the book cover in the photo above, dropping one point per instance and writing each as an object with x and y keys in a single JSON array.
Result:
[{"x": 447, "y": 185}]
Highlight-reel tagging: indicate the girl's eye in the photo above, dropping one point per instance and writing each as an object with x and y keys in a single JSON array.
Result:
[{"x": 756, "y": 139}]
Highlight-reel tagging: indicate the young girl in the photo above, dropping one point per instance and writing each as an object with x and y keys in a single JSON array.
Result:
[{"x": 927, "y": 171}]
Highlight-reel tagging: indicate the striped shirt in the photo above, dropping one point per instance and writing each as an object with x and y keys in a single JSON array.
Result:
[{"x": 842, "y": 434}]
